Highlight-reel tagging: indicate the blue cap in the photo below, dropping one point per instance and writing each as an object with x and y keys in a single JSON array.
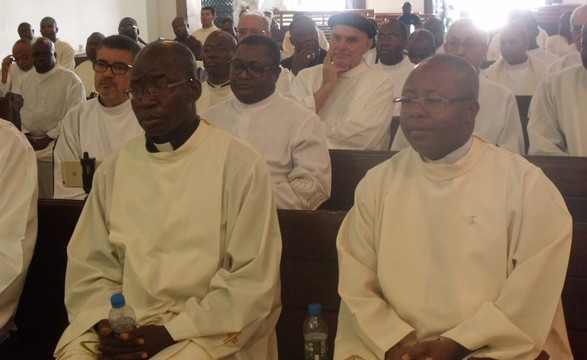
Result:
[
  {"x": 117, "y": 300},
  {"x": 315, "y": 309}
]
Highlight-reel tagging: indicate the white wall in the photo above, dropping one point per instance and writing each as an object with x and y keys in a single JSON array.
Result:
[
  {"x": 394, "y": 6},
  {"x": 77, "y": 19}
]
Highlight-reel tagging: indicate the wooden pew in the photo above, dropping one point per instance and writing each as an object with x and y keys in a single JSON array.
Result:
[{"x": 309, "y": 267}]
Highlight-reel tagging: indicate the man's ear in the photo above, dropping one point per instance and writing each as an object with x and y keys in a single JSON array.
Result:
[
  {"x": 277, "y": 72},
  {"x": 195, "y": 89}
]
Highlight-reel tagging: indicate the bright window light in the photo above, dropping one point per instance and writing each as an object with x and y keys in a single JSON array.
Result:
[{"x": 491, "y": 15}]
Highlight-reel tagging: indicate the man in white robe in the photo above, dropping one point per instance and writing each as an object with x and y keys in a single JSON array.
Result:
[
  {"x": 216, "y": 54},
  {"x": 101, "y": 125},
  {"x": 49, "y": 93},
  {"x": 498, "y": 120},
  {"x": 65, "y": 52},
  {"x": 516, "y": 70},
  {"x": 13, "y": 73},
  {"x": 18, "y": 219},
  {"x": 207, "y": 18},
  {"x": 391, "y": 41},
  {"x": 557, "y": 124},
  {"x": 353, "y": 100},
  {"x": 183, "y": 223},
  {"x": 562, "y": 43},
  {"x": 253, "y": 23},
  {"x": 436, "y": 264},
  {"x": 288, "y": 136}
]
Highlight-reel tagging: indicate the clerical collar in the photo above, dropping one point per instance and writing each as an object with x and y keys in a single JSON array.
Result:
[
  {"x": 224, "y": 84},
  {"x": 454, "y": 156},
  {"x": 176, "y": 139}
]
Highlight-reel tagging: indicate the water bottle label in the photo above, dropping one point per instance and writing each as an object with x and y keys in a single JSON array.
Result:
[{"x": 316, "y": 350}]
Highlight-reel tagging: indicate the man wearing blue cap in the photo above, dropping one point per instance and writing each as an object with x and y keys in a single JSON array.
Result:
[{"x": 353, "y": 100}]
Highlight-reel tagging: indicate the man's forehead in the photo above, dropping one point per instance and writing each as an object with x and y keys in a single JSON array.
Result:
[
  {"x": 251, "y": 22},
  {"x": 389, "y": 27},
  {"x": 348, "y": 31},
  {"x": 252, "y": 53}
]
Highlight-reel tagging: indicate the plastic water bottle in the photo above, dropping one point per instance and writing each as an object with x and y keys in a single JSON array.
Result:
[
  {"x": 122, "y": 317},
  {"x": 315, "y": 334}
]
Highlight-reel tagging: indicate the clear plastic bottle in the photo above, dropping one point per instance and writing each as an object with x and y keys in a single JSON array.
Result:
[
  {"x": 315, "y": 334},
  {"x": 122, "y": 317}
]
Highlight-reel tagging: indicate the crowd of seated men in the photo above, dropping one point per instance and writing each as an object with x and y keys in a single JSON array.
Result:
[{"x": 250, "y": 130}]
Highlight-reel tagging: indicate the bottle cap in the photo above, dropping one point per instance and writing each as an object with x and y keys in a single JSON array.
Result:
[
  {"x": 315, "y": 309},
  {"x": 117, "y": 300}
]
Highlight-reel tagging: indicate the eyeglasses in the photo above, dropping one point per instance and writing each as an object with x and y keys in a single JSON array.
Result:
[
  {"x": 467, "y": 44},
  {"x": 430, "y": 103},
  {"x": 127, "y": 28},
  {"x": 243, "y": 32},
  {"x": 387, "y": 36},
  {"x": 159, "y": 91},
  {"x": 117, "y": 68},
  {"x": 255, "y": 71}
]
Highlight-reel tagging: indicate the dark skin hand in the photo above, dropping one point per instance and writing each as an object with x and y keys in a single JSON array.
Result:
[
  {"x": 441, "y": 349},
  {"x": 141, "y": 343},
  {"x": 39, "y": 144},
  {"x": 301, "y": 59}
]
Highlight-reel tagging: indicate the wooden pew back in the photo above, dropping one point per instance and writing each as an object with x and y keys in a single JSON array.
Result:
[{"x": 309, "y": 270}]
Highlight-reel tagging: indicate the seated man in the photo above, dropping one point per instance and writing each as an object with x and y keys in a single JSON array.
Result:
[
  {"x": 183, "y": 223},
  {"x": 130, "y": 28},
  {"x": 420, "y": 45},
  {"x": 252, "y": 23},
  {"x": 180, "y": 29},
  {"x": 307, "y": 50},
  {"x": 562, "y": 43},
  {"x": 101, "y": 125},
  {"x": 25, "y": 31},
  {"x": 227, "y": 24},
  {"x": 85, "y": 70},
  {"x": 18, "y": 220},
  {"x": 392, "y": 39},
  {"x": 207, "y": 18},
  {"x": 557, "y": 112},
  {"x": 436, "y": 264},
  {"x": 516, "y": 70},
  {"x": 12, "y": 75},
  {"x": 288, "y": 136},
  {"x": 49, "y": 93},
  {"x": 436, "y": 27},
  {"x": 498, "y": 120},
  {"x": 353, "y": 100},
  {"x": 287, "y": 45},
  {"x": 65, "y": 52},
  {"x": 217, "y": 52}
]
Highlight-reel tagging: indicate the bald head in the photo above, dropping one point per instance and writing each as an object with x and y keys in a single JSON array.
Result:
[
  {"x": 179, "y": 55},
  {"x": 420, "y": 45},
  {"x": 464, "y": 76},
  {"x": 44, "y": 57},
  {"x": 253, "y": 23},
  {"x": 578, "y": 19},
  {"x": 436, "y": 128},
  {"x": 465, "y": 39}
]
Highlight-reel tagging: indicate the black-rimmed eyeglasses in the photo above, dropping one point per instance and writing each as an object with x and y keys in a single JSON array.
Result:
[
  {"x": 117, "y": 68},
  {"x": 254, "y": 70}
]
